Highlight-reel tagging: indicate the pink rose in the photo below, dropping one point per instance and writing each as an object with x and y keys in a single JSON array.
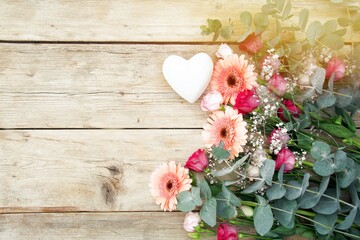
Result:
[
  {"x": 252, "y": 44},
  {"x": 223, "y": 51},
  {"x": 291, "y": 107},
  {"x": 246, "y": 101},
  {"x": 336, "y": 66},
  {"x": 198, "y": 161},
  {"x": 285, "y": 156},
  {"x": 277, "y": 85},
  {"x": 279, "y": 136},
  {"x": 227, "y": 232},
  {"x": 191, "y": 221},
  {"x": 211, "y": 101}
]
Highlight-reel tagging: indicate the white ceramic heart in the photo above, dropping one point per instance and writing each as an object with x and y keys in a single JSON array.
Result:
[{"x": 188, "y": 78}]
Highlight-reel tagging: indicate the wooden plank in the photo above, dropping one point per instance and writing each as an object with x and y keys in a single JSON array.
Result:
[
  {"x": 92, "y": 86},
  {"x": 120, "y": 225},
  {"x": 86, "y": 170},
  {"x": 129, "y": 21}
]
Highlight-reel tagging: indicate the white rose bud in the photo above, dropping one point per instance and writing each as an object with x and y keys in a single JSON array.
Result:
[
  {"x": 259, "y": 157},
  {"x": 252, "y": 172},
  {"x": 191, "y": 221},
  {"x": 211, "y": 101},
  {"x": 223, "y": 51},
  {"x": 247, "y": 211}
]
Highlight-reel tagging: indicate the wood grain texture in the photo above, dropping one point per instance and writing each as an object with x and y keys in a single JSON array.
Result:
[
  {"x": 120, "y": 225},
  {"x": 131, "y": 21},
  {"x": 86, "y": 170}
]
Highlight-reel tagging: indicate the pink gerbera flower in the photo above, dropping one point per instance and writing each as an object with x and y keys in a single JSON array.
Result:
[
  {"x": 166, "y": 182},
  {"x": 232, "y": 75},
  {"x": 227, "y": 127}
]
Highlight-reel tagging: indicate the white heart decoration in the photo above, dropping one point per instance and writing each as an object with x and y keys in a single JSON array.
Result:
[{"x": 188, "y": 78}]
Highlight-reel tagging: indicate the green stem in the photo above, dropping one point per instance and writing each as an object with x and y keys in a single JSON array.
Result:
[
  {"x": 308, "y": 163},
  {"x": 246, "y": 235}
]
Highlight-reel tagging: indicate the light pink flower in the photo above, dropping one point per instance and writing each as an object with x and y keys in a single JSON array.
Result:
[
  {"x": 227, "y": 232},
  {"x": 166, "y": 182},
  {"x": 277, "y": 84},
  {"x": 252, "y": 172},
  {"x": 246, "y": 101},
  {"x": 227, "y": 127},
  {"x": 279, "y": 136},
  {"x": 198, "y": 161},
  {"x": 211, "y": 101},
  {"x": 252, "y": 44},
  {"x": 232, "y": 75},
  {"x": 336, "y": 66},
  {"x": 191, "y": 221},
  {"x": 285, "y": 156},
  {"x": 223, "y": 51}
]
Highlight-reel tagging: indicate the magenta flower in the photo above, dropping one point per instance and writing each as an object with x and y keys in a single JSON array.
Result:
[
  {"x": 198, "y": 161},
  {"x": 246, "y": 101},
  {"x": 227, "y": 232},
  {"x": 291, "y": 107},
  {"x": 285, "y": 156},
  {"x": 277, "y": 84}
]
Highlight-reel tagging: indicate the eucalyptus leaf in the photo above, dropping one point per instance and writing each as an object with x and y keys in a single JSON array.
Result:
[
  {"x": 284, "y": 211},
  {"x": 340, "y": 161},
  {"x": 276, "y": 191},
  {"x": 219, "y": 152},
  {"x": 327, "y": 205},
  {"x": 303, "y": 18},
  {"x": 325, "y": 223},
  {"x": 246, "y": 18},
  {"x": 261, "y": 21},
  {"x": 204, "y": 189},
  {"x": 348, "y": 221},
  {"x": 225, "y": 210},
  {"x": 330, "y": 26},
  {"x": 287, "y": 10},
  {"x": 326, "y": 100},
  {"x": 344, "y": 22},
  {"x": 320, "y": 150},
  {"x": 317, "y": 79},
  {"x": 263, "y": 217},
  {"x": 294, "y": 191},
  {"x": 267, "y": 171},
  {"x": 231, "y": 197},
  {"x": 346, "y": 96},
  {"x": 226, "y": 32},
  {"x": 254, "y": 187},
  {"x": 346, "y": 177},
  {"x": 208, "y": 212},
  {"x": 312, "y": 195},
  {"x": 314, "y": 32},
  {"x": 185, "y": 201},
  {"x": 195, "y": 193},
  {"x": 225, "y": 171},
  {"x": 324, "y": 167},
  {"x": 333, "y": 41},
  {"x": 279, "y": 4}
]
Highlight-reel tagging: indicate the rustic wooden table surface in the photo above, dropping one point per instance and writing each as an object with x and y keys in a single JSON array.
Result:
[{"x": 86, "y": 115}]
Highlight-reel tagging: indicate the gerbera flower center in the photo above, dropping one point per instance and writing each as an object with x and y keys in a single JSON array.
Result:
[
  {"x": 223, "y": 132},
  {"x": 231, "y": 80},
  {"x": 169, "y": 185}
]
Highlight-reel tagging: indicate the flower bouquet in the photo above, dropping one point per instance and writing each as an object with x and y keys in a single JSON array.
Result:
[{"x": 281, "y": 153}]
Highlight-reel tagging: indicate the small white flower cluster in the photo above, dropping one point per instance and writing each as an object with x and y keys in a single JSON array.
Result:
[
  {"x": 308, "y": 64},
  {"x": 291, "y": 84},
  {"x": 350, "y": 68},
  {"x": 277, "y": 143},
  {"x": 270, "y": 65},
  {"x": 325, "y": 55},
  {"x": 212, "y": 167},
  {"x": 269, "y": 102},
  {"x": 255, "y": 136},
  {"x": 300, "y": 157}
]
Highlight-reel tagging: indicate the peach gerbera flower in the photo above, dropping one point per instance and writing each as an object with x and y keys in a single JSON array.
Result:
[
  {"x": 227, "y": 127},
  {"x": 232, "y": 75},
  {"x": 166, "y": 182}
]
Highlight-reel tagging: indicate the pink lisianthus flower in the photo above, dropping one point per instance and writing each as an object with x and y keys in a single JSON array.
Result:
[
  {"x": 291, "y": 107},
  {"x": 223, "y": 51},
  {"x": 198, "y": 161},
  {"x": 252, "y": 44},
  {"x": 191, "y": 221},
  {"x": 336, "y": 66},
  {"x": 285, "y": 156},
  {"x": 246, "y": 101},
  {"x": 277, "y": 84},
  {"x": 211, "y": 101},
  {"x": 227, "y": 232}
]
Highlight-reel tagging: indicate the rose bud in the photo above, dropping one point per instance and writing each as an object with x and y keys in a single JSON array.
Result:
[
  {"x": 252, "y": 172},
  {"x": 227, "y": 232},
  {"x": 291, "y": 107},
  {"x": 191, "y": 221},
  {"x": 252, "y": 44},
  {"x": 246, "y": 101},
  {"x": 223, "y": 51},
  {"x": 259, "y": 156},
  {"x": 198, "y": 161},
  {"x": 336, "y": 66},
  {"x": 277, "y": 84},
  {"x": 285, "y": 156},
  {"x": 247, "y": 211},
  {"x": 211, "y": 101},
  {"x": 279, "y": 136},
  {"x": 304, "y": 79}
]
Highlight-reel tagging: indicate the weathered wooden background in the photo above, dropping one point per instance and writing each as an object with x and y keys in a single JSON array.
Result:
[{"x": 86, "y": 115}]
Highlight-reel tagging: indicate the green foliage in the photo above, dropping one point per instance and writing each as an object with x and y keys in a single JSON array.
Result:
[
  {"x": 263, "y": 217},
  {"x": 277, "y": 190},
  {"x": 185, "y": 201},
  {"x": 230, "y": 169},
  {"x": 208, "y": 212},
  {"x": 284, "y": 211},
  {"x": 219, "y": 152},
  {"x": 324, "y": 224}
]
